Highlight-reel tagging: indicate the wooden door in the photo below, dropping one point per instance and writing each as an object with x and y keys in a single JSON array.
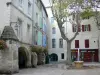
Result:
[{"x": 87, "y": 57}]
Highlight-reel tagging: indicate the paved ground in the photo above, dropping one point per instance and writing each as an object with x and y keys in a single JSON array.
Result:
[{"x": 59, "y": 69}]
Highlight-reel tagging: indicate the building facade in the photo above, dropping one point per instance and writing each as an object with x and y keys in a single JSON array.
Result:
[
  {"x": 24, "y": 19},
  {"x": 40, "y": 23},
  {"x": 87, "y": 41}
]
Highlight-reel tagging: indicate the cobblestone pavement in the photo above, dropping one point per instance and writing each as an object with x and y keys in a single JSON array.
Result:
[{"x": 58, "y": 69}]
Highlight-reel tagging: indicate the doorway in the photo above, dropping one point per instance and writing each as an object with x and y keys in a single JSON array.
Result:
[
  {"x": 54, "y": 57},
  {"x": 22, "y": 56}
]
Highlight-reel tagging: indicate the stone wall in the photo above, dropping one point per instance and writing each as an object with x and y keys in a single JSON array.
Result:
[{"x": 9, "y": 59}]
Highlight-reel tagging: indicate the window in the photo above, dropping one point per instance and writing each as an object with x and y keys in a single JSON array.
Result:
[
  {"x": 39, "y": 5},
  {"x": 53, "y": 43},
  {"x": 37, "y": 17},
  {"x": 75, "y": 28},
  {"x": 36, "y": 37},
  {"x": 86, "y": 28},
  {"x": 16, "y": 29},
  {"x": 52, "y": 20},
  {"x": 60, "y": 43},
  {"x": 62, "y": 55},
  {"x": 53, "y": 30},
  {"x": 76, "y": 43},
  {"x": 29, "y": 7},
  {"x": 20, "y": 3},
  {"x": 28, "y": 28},
  {"x": 19, "y": 27},
  {"x": 86, "y": 43},
  {"x": 63, "y": 29}
]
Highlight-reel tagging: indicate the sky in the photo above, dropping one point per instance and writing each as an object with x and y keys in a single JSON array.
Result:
[{"x": 46, "y": 3}]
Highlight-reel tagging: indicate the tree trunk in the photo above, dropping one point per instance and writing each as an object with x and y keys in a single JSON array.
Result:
[{"x": 68, "y": 59}]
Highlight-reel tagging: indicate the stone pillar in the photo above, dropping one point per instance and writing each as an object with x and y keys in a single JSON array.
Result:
[
  {"x": 28, "y": 64},
  {"x": 14, "y": 56},
  {"x": 34, "y": 59},
  {"x": 9, "y": 59}
]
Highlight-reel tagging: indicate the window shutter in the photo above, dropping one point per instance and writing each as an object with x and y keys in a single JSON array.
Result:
[
  {"x": 83, "y": 28},
  {"x": 76, "y": 43},
  {"x": 89, "y": 27},
  {"x": 86, "y": 43}
]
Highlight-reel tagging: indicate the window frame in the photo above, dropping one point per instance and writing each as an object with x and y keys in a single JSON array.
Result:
[
  {"x": 53, "y": 43},
  {"x": 62, "y": 56},
  {"x": 19, "y": 32},
  {"x": 53, "y": 30},
  {"x": 86, "y": 43},
  {"x": 60, "y": 43},
  {"x": 21, "y": 3},
  {"x": 29, "y": 7},
  {"x": 86, "y": 27},
  {"x": 76, "y": 43}
]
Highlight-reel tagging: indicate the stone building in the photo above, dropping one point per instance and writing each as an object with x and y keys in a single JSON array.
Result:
[
  {"x": 40, "y": 23},
  {"x": 87, "y": 41},
  {"x": 17, "y": 19}
]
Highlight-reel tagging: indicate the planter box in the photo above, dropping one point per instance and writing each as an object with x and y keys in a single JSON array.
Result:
[{"x": 78, "y": 64}]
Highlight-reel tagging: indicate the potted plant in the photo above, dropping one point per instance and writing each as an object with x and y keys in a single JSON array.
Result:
[{"x": 3, "y": 45}]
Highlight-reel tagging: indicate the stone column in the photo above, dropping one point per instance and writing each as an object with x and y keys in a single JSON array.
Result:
[
  {"x": 34, "y": 59},
  {"x": 28, "y": 64}
]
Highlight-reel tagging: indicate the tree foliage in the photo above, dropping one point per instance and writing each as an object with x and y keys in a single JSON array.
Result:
[
  {"x": 60, "y": 10},
  {"x": 92, "y": 9},
  {"x": 87, "y": 13}
]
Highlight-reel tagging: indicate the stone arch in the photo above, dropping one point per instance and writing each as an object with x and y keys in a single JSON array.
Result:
[
  {"x": 23, "y": 57},
  {"x": 54, "y": 57}
]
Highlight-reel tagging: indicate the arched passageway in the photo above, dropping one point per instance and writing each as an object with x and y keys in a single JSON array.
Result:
[
  {"x": 53, "y": 57},
  {"x": 22, "y": 56}
]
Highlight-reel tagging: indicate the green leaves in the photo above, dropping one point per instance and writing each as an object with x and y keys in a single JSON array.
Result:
[{"x": 88, "y": 12}]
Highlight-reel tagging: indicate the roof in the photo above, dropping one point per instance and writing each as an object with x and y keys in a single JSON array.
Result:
[
  {"x": 8, "y": 34},
  {"x": 44, "y": 8}
]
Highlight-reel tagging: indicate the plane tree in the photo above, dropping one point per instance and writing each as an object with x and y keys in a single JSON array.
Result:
[{"x": 79, "y": 9}]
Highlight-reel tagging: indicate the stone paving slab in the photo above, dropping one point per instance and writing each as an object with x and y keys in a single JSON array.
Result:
[{"x": 57, "y": 69}]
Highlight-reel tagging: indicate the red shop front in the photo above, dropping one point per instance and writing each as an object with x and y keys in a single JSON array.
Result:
[{"x": 89, "y": 55}]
